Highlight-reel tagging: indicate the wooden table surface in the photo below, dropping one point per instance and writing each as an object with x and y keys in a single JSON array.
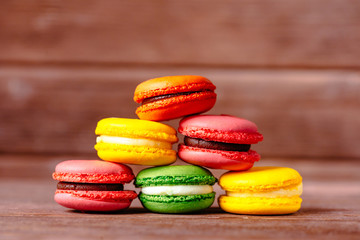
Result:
[{"x": 330, "y": 207}]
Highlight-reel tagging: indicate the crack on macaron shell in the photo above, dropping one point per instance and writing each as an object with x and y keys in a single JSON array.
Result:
[
  {"x": 175, "y": 180},
  {"x": 222, "y": 136},
  {"x": 93, "y": 177},
  {"x": 110, "y": 196},
  {"x": 172, "y": 199}
]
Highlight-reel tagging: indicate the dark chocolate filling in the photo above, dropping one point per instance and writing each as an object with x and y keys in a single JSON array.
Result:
[
  {"x": 156, "y": 98},
  {"x": 200, "y": 143},
  {"x": 89, "y": 186}
]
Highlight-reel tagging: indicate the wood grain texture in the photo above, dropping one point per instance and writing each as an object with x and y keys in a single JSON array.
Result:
[
  {"x": 329, "y": 210},
  {"x": 252, "y": 33},
  {"x": 301, "y": 113}
]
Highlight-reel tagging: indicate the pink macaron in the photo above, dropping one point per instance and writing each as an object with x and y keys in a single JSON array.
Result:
[
  {"x": 93, "y": 185},
  {"x": 219, "y": 142}
]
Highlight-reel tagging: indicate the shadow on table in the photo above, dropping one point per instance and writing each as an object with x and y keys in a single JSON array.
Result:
[
  {"x": 145, "y": 211},
  {"x": 304, "y": 212},
  {"x": 317, "y": 211}
]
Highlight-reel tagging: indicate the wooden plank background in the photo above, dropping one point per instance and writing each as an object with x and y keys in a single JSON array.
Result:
[
  {"x": 280, "y": 33},
  {"x": 292, "y": 67}
]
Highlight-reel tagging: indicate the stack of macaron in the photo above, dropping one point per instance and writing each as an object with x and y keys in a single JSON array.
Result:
[{"x": 210, "y": 141}]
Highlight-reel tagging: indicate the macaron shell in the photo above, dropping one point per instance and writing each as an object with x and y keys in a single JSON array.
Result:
[
  {"x": 111, "y": 196},
  {"x": 139, "y": 155},
  {"x": 220, "y": 128},
  {"x": 135, "y": 128},
  {"x": 260, "y": 179},
  {"x": 171, "y": 84},
  {"x": 217, "y": 159},
  {"x": 86, "y": 204},
  {"x": 260, "y": 206},
  {"x": 93, "y": 178},
  {"x": 174, "y": 175},
  {"x": 92, "y": 171},
  {"x": 176, "y": 204},
  {"x": 177, "y": 106}
]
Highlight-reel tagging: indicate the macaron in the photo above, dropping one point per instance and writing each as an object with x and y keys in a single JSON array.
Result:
[
  {"x": 261, "y": 191},
  {"x": 219, "y": 142},
  {"x": 134, "y": 141},
  {"x": 176, "y": 189},
  {"x": 173, "y": 97},
  {"x": 93, "y": 185}
]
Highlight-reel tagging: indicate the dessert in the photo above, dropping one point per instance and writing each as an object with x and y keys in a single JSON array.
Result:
[
  {"x": 219, "y": 141},
  {"x": 176, "y": 189},
  {"x": 261, "y": 191},
  {"x": 134, "y": 141},
  {"x": 173, "y": 97},
  {"x": 93, "y": 185}
]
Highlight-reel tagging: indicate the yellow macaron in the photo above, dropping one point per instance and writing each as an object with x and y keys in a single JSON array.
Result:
[
  {"x": 134, "y": 141},
  {"x": 261, "y": 191}
]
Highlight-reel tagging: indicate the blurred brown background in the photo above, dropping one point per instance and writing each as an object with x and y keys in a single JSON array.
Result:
[{"x": 292, "y": 67}]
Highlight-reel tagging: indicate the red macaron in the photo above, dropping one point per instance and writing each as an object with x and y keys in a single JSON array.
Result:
[
  {"x": 93, "y": 185},
  {"x": 219, "y": 142},
  {"x": 173, "y": 97}
]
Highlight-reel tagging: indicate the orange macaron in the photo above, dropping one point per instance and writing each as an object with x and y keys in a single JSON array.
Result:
[{"x": 171, "y": 97}]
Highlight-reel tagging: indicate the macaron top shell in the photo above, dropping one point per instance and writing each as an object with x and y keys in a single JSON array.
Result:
[
  {"x": 171, "y": 84},
  {"x": 92, "y": 171},
  {"x": 136, "y": 128},
  {"x": 260, "y": 179},
  {"x": 220, "y": 128},
  {"x": 174, "y": 175}
]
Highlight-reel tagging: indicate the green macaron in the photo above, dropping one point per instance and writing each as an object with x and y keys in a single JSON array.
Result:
[{"x": 176, "y": 189}]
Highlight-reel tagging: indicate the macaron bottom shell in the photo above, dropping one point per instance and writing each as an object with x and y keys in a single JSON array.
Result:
[
  {"x": 260, "y": 206},
  {"x": 177, "y": 204},
  {"x": 138, "y": 155},
  {"x": 217, "y": 159},
  {"x": 177, "y": 107},
  {"x": 89, "y": 205}
]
